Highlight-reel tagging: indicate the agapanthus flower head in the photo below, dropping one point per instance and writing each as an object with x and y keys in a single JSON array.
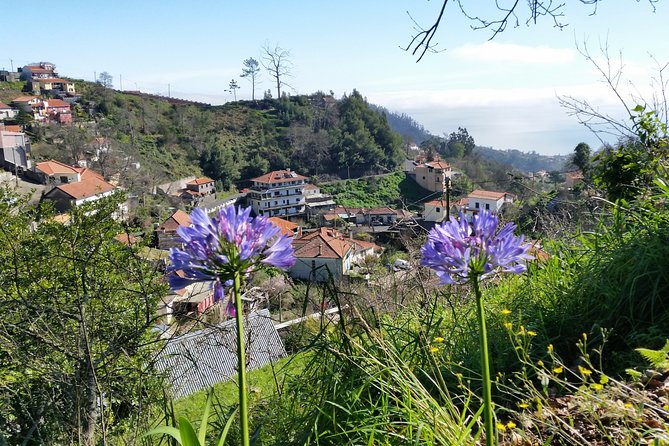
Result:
[
  {"x": 215, "y": 249},
  {"x": 458, "y": 250}
]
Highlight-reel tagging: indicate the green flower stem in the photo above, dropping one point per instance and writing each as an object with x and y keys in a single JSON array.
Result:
[
  {"x": 490, "y": 436},
  {"x": 241, "y": 357}
]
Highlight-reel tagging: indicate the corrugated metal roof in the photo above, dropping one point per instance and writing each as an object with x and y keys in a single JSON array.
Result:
[{"x": 199, "y": 360}]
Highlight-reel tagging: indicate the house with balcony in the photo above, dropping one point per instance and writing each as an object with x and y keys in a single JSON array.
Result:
[
  {"x": 488, "y": 200},
  {"x": 279, "y": 193},
  {"x": 51, "y": 85},
  {"x": 433, "y": 175},
  {"x": 41, "y": 70}
]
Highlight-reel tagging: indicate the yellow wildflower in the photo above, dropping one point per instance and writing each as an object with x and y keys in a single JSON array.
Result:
[
  {"x": 434, "y": 349},
  {"x": 596, "y": 386},
  {"x": 584, "y": 371},
  {"x": 501, "y": 427},
  {"x": 505, "y": 312},
  {"x": 531, "y": 333},
  {"x": 508, "y": 325},
  {"x": 540, "y": 363},
  {"x": 550, "y": 348},
  {"x": 557, "y": 370},
  {"x": 523, "y": 405},
  {"x": 522, "y": 329},
  {"x": 438, "y": 339},
  {"x": 510, "y": 424},
  {"x": 665, "y": 407},
  {"x": 628, "y": 405},
  {"x": 585, "y": 336}
]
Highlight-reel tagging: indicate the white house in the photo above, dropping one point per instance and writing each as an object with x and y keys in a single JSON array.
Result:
[
  {"x": 7, "y": 112},
  {"x": 490, "y": 201},
  {"x": 435, "y": 210},
  {"x": 66, "y": 196},
  {"x": 55, "y": 172},
  {"x": 328, "y": 252},
  {"x": 279, "y": 193}
]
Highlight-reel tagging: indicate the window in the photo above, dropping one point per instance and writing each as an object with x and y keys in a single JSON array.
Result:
[
  {"x": 423, "y": 177},
  {"x": 438, "y": 209},
  {"x": 477, "y": 205},
  {"x": 487, "y": 206},
  {"x": 63, "y": 179}
]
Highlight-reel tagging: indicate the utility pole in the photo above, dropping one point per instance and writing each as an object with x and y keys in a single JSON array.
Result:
[
  {"x": 95, "y": 76},
  {"x": 11, "y": 61},
  {"x": 168, "y": 91},
  {"x": 448, "y": 198},
  {"x": 120, "y": 77}
]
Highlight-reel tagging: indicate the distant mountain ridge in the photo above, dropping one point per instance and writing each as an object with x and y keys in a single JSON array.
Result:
[{"x": 413, "y": 131}]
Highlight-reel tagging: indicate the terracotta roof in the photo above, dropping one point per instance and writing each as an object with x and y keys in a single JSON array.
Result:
[
  {"x": 126, "y": 239},
  {"x": 84, "y": 189},
  {"x": 279, "y": 176},
  {"x": 324, "y": 243},
  {"x": 57, "y": 103},
  {"x": 53, "y": 167},
  {"x": 201, "y": 180},
  {"x": 11, "y": 128},
  {"x": 3, "y": 105},
  {"x": 366, "y": 245},
  {"x": 380, "y": 211},
  {"x": 441, "y": 203},
  {"x": 39, "y": 69},
  {"x": 52, "y": 79},
  {"x": 24, "y": 99},
  {"x": 87, "y": 173},
  {"x": 179, "y": 218},
  {"x": 310, "y": 187},
  {"x": 436, "y": 165},
  {"x": 287, "y": 227},
  {"x": 487, "y": 194}
]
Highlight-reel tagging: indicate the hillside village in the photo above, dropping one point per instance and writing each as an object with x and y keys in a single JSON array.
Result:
[
  {"x": 355, "y": 229},
  {"x": 331, "y": 241}
]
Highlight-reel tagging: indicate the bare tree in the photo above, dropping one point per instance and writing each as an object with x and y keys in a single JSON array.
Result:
[
  {"x": 611, "y": 70},
  {"x": 233, "y": 87},
  {"x": 105, "y": 79},
  {"x": 251, "y": 70},
  {"x": 277, "y": 62},
  {"x": 534, "y": 10}
]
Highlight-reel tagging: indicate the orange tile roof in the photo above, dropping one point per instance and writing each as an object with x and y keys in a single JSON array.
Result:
[
  {"x": 287, "y": 227},
  {"x": 179, "y": 218},
  {"x": 279, "y": 176},
  {"x": 57, "y": 103},
  {"x": 126, "y": 239},
  {"x": 201, "y": 180},
  {"x": 85, "y": 188},
  {"x": 487, "y": 194},
  {"x": 52, "y": 79},
  {"x": 24, "y": 99},
  {"x": 324, "y": 243},
  {"x": 436, "y": 165},
  {"x": 53, "y": 167},
  {"x": 441, "y": 203},
  {"x": 380, "y": 211},
  {"x": 87, "y": 173},
  {"x": 3, "y": 105},
  {"x": 11, "y": 128}
]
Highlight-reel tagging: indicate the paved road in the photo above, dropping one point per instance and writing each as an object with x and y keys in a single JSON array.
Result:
[{"x": 23, "y": 187}]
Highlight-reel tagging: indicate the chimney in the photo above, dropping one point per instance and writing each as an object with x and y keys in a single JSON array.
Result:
[{"x": 320, "y": 249}]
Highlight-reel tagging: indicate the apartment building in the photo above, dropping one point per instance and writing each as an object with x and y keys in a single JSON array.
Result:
[{"x": 279, "y": 193}]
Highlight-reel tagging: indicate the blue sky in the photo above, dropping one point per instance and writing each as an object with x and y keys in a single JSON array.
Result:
[{"x": 504, "y": 91}]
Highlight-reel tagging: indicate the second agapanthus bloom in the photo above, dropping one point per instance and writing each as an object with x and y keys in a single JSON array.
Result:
[{"x": 456, "y": 249}]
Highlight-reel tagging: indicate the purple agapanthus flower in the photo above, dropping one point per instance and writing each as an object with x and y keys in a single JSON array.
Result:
[
  {"x": 215, "y": 249},
  {"x": 457, "y": 250}
]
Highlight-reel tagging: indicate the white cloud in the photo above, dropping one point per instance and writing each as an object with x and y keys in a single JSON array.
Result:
[{"x": 510, "y": 52}]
